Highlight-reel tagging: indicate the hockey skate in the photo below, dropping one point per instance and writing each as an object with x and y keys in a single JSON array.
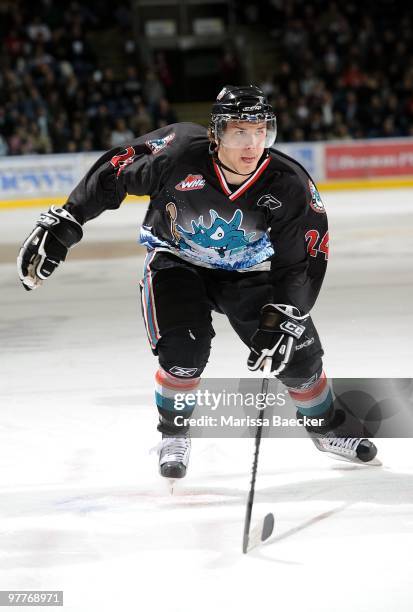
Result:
[
  {"x": 174, "y": 454},
  {"x": 328, "y": 439}
]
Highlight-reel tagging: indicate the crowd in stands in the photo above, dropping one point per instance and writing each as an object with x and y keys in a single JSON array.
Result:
[
  {"x": 53, "y": 95},
  {"x": 340, "y": 71},
  {"x": 344, "y": 70}
]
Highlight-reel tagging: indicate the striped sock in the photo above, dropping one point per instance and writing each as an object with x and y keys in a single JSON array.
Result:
[
  {"x": 315, "y": 400},
  {"x": 170, "y": 394}
]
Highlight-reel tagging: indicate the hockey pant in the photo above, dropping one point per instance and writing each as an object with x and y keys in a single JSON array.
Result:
[{"x": 177, "y": 299}]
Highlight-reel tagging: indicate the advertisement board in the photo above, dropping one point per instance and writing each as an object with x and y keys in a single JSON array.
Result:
[
  {"x": 368, "y": 159},
  {"x": 37, "y": 176},
  {"x": 29, "y": 179}
]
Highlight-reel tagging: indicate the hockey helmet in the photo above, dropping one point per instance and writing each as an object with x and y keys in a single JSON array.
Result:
[{"x": 242, "y": 103}]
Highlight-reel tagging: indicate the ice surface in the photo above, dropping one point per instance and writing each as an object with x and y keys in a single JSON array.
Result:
[{"x": 82, "y": 507}]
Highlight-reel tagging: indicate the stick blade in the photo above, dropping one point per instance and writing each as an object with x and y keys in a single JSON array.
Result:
[
  {"x": 267, "y": 527},
  {"x": 261, "y": 532}
]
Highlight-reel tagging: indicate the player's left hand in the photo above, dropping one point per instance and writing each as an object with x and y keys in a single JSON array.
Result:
[{"x": 279, "y": 329}]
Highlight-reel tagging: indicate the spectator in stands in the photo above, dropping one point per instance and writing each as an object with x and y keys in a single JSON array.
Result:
[
  {"x": 100, "y": 127},
  {"x": 141, "y": 121},
  {"x": 163, "y": 70},
  {"x": 4, "y": 148},
  {"x": 132, "y": 85},
  {"x": 38, "y": 31},
  {"x": 39, "y": 142},
  {"x": 153, "y": 90},
  {"x": 164, "y": 114},
  {"x": 120, "y": 134},
  {"x": 230, "y": 67},
  {"x": 60, "y": 133}
]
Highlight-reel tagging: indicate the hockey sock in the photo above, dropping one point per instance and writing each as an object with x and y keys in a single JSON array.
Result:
[
  {"x": 173, "y": 405},
  {"x": 315, "y": 400}
]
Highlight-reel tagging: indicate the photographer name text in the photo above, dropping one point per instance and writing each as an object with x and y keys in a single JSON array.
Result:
[{"x": 231, "y": 421}]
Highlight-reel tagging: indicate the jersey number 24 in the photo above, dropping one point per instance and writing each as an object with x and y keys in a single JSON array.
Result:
[{"x": 316, "y": 245}]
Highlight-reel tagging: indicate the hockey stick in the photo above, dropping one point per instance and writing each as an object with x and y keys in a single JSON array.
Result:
[{"x": 264, "y": 528}]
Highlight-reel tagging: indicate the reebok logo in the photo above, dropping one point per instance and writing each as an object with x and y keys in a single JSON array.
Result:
[
  {"x": 191, "y": 182},
  {"x": 269, "y": 201},
  {"x": 185, "y": 372},
  {"x": 308, "y": 342}
]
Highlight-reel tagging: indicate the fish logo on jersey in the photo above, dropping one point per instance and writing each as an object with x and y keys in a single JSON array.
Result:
[
  {"x": 124, "y": 159},
  {"x": 316, "y": 202},
  {"x": 269, "y": 201},
  {"x": 223, "y": 237},
  {"x": 191, "y": 182},
  {"x": 159, "y": 144}
]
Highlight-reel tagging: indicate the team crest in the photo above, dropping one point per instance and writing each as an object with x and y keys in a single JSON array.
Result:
[
  {"x": 191, "y": 182},
  {"x": 316, "y": 202},
  {"x": 159, "y": 144}
]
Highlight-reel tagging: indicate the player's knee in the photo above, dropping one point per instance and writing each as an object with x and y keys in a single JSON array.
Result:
[
  {"x": 184, "y": 352},
  {"x": 302, "y": 373}
]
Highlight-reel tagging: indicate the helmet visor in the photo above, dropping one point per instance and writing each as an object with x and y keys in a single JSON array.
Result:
[{"x": 249, "y": 131}]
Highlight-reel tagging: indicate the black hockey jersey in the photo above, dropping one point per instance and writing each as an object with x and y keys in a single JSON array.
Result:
[{"x": 274, "y": 220}]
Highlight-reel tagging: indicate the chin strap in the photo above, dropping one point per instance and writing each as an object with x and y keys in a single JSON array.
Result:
[
  {"x": 221, "y": 165},
  {"x": 213, "y": 150}
]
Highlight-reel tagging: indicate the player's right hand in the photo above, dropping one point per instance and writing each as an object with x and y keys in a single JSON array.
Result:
[
  {"x": 47, "y": 245},
  {"x": 279, "y": 328}
]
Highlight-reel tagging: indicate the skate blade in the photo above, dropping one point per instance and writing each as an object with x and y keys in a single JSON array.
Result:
[
  {"x": 373, "y": 463},
  {"x": 171, "y": 485}
]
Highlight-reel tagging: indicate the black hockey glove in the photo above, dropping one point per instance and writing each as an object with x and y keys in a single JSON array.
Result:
[
  {"x": 55, "y": 232},
  {"x": 279, "y": 329}
]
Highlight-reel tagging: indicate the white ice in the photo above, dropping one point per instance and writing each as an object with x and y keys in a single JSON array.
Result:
[{"x": 81, "y": 504}]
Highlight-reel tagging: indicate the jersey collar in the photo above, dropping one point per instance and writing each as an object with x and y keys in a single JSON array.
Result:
[{"x": 244, "y": 186}]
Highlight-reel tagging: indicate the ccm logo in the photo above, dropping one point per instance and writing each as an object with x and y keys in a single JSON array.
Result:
[
  {"x": 45, "y": 218},
  {"x": 292, "y": 328}
]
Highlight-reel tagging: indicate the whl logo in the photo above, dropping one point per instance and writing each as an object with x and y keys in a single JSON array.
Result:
[{"x": 191, "y": 182}]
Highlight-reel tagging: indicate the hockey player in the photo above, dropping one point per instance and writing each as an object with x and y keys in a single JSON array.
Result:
[{"x": 232, "y": 226}]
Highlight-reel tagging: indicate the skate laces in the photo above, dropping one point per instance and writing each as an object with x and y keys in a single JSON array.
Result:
[
  {"x": 174, "y": 448},
  {"x": 349, "y": 444}
]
